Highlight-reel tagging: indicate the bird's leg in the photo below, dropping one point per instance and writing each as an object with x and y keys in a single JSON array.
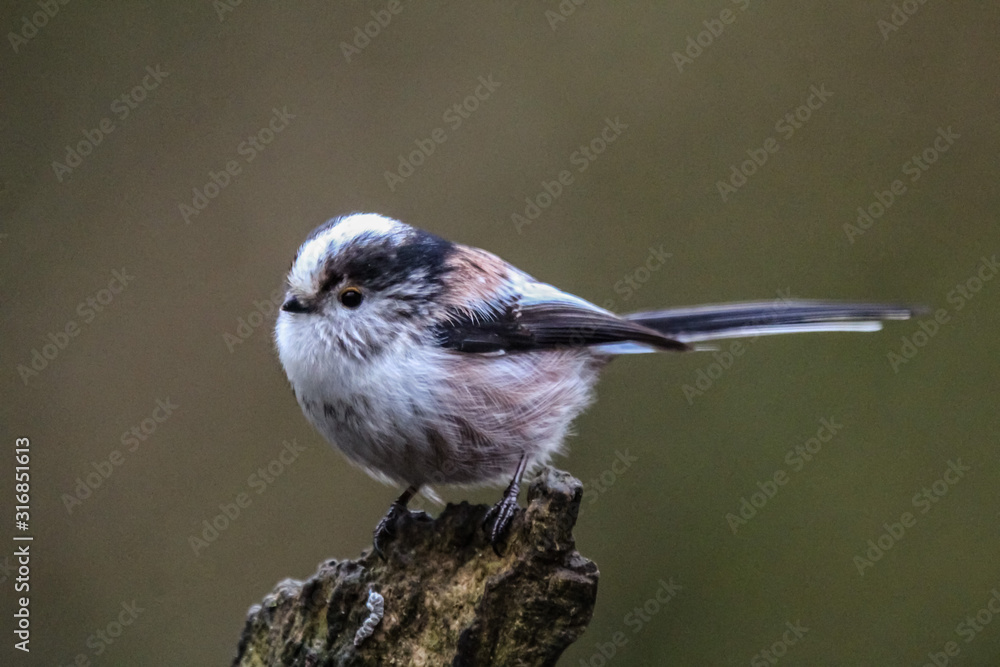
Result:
[
  {"x": 500, "y": 515},
  {"x": 386, "y": 528}
]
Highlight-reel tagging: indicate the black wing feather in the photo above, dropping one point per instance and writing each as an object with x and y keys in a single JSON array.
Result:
[{"x": 538, "y": 326}]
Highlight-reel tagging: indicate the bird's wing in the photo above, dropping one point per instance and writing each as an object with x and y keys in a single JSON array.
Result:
[{"x": 539, "y": 316}]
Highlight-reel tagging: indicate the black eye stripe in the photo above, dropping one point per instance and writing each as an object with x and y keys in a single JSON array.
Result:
[
  {"x": 379, "y": 264},
  {"x": 330, "y": 280}
]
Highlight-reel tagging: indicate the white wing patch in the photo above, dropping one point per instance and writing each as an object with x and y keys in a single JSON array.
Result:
[
  {"x": 535, "y": 293},
  {"x": 625, "y": 347},
  {"x": 768, "y": 330}
]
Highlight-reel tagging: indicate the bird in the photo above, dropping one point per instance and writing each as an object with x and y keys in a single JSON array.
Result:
[{"x": 430, "y": 363}]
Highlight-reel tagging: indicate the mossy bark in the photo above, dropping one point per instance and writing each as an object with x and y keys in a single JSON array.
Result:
[{"x": 449, "y": 599}]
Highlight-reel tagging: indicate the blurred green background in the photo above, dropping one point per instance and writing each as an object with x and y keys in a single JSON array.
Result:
[{"x": 350, "y": 114}]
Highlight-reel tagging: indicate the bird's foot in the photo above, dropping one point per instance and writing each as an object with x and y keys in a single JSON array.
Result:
[
  {"x": 500, "y": 516},
  {"x": 386, "y": 528}
]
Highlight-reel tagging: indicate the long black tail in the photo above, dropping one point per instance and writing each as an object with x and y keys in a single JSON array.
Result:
[{"x": 735, "y": 320}]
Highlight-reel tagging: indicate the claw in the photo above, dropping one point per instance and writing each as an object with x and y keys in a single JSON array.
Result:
[
  {"x": 386, "y": 528},
  {"x": 500, "y": 516},
  {"x": 498, "y": 520}
]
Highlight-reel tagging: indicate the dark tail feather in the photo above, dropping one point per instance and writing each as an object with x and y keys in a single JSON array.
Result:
[{"x": 736, "y": 320}]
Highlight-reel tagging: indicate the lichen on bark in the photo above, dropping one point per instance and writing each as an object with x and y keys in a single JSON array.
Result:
[{"x": 449, "y": 599}]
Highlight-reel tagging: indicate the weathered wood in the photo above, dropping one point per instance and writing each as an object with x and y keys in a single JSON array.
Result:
[{"x": 449, "y": 599}]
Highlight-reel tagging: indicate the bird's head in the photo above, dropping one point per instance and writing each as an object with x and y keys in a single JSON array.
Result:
[{"x": 358, "y": 284}]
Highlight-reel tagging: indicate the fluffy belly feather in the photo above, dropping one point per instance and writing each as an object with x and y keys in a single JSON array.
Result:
[{"x": 467, "y": 423}]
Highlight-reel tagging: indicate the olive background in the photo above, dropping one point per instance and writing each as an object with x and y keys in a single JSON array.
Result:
[{"x": 169, "y": 334}]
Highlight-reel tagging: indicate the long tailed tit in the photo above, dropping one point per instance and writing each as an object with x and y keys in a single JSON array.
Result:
[{"x": 427, "y": 362}]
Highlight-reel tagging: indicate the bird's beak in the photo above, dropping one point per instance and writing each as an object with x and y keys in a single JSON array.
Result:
[{"x": 293, "y": 305}]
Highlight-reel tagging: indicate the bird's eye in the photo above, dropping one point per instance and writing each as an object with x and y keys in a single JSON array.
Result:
[{"x": 351, "y": 297}]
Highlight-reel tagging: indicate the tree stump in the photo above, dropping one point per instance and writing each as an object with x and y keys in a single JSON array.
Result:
[{"x": 448, "y": 598}]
